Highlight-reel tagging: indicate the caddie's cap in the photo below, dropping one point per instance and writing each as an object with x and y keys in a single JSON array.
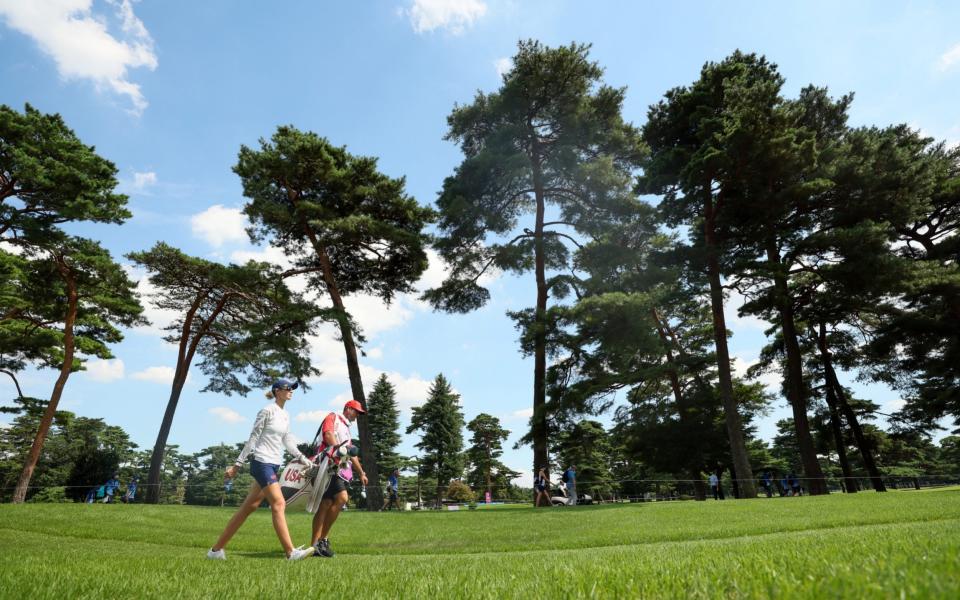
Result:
[{"x": 354, "y": 405}]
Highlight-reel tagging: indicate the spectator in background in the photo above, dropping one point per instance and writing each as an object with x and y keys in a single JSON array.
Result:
[
  {"x": 541, "y": 487},
  {"x": 766, "y": 480},
  {"x": 785, "y": 486},
  {"x": 110, "y": 488},
  {"x": 570, "y": 480},
  {"x": 393, "y": 490},
  {"x": 794, "y": 485},
  {"x": 131, "y": 491},
  {"x": 715, "y": 486}
]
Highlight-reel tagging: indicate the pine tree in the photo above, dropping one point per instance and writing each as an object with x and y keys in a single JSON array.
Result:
[
  {"x": 551, "y": 141},
  {"x": 486, "y": 471},
  {"x": 440, "y": 423},
  {"x": 384, "y": 418},
  {"x": 347, "y": 226}
]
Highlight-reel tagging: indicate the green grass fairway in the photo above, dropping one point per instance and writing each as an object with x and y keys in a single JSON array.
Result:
[{"x": 865, "y": 545}]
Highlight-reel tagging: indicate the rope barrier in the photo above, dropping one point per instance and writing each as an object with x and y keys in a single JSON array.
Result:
[{"x": 578, "y": 483}]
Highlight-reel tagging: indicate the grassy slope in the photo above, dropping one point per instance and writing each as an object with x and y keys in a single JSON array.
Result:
[{"x": 867, "y": 544}]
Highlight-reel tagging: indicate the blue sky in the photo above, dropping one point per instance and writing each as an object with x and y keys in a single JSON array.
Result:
[{"x": 170, "y": 90}]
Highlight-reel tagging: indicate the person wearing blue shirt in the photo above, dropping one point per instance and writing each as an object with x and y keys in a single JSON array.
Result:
[
  {"x": 393, "y": 488},
  {"x": 131, "y": 491},
  {"x": 570, "y": 479},
  {"x": 110, "y": 488},
  {"x": 766, "y": 482}
]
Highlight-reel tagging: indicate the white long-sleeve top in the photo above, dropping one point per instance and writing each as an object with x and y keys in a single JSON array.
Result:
[{"x": 271, "y": 432}]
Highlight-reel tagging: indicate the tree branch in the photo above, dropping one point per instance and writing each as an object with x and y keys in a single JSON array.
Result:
[{"x": 15, "y": 382}]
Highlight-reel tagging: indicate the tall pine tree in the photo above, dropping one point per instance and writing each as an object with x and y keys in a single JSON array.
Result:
[
  {"x": 440, "y": 423},
  {"x": 549, "y": 148},
  {"x": 384, "y": 418},
  {"x": 486, "y": 470}
]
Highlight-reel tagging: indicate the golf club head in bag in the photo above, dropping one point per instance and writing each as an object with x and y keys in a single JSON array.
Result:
[{"x": 323, "y": 471}]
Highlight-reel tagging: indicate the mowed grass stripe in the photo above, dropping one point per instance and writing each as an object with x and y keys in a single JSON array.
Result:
[
  {"x": 46, "y": 540},
  {"x": 895, "y": 560},
  {"x": 472, "y": 532},
  {"x": 67, "y": 539}
]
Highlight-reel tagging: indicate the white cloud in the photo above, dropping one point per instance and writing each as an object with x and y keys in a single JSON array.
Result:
[
  {"x": 16, "y": 249},
  {"x": 523, "y": 413},
  {"x": 525, "y": 479},
  {"x": 227, "y": 415},
  {"x": 893, "y": 405},
  {"x": 144, "y": 180},
  {"x": 437, "y": 271},
  {"x": 772, "y": 379},
  {"x": 326, "y": 353},
  {"x": 731, "y": 307},
  {"x": 374, "y": 316},
  {"x": 312, "y": 416},
  {"x": 156, "y": 375},
  {"x": 81, "y": 45},
  {"x": 502, "y": 65},
  {"x": 104, "y": 370},
  {"x": 270, "y": 254},
  {"x": 219, "y": 224},
  {"x": 949, "y": 59},
  {"x": 452, "y": 15}
]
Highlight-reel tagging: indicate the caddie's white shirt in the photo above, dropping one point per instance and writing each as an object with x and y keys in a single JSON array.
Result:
[
  {"x": 271, "y": 433},
  {"x": 340, "y": 427}
]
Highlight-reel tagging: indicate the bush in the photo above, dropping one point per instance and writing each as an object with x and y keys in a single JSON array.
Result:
[
  {"x": 459, "y": 492},
  {"x": 51, "y": 494}
]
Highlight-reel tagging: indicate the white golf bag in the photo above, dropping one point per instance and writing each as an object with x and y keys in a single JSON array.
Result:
[{"x": 300, "y": 483}]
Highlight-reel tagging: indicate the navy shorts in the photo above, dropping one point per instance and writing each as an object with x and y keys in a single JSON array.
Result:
[
  {"x": 337, "y": 485},
  {"x": 264, "y": 473}
]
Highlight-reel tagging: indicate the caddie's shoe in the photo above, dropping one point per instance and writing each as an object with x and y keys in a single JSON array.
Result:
[
  {"x": 216, "y": 554},
  {"x": 323, "y": 548},
  {"x": 300, "y": 552}
]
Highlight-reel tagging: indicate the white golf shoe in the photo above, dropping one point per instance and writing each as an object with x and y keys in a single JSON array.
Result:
[
  {"x": 216, "y": 554},
  {"x": 300, "y": 552}
]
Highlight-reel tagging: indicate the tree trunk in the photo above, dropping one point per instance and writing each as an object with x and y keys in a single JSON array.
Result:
[
  {"x": 795, "y": 392},
  {"x": 850, "y": 485},
  {"x": 185, "y": 355},
  {"x": 154, "y": 478},
  {"x": 849, "y": 482},
  {"x": 367, "y": 455},
  {"x": 738, "y": 448},
  {"x": 489, "y": 468},
  {"x": 734, "y": 482},
  {"x": 539, "y": 419},
  {"x": 370, "y": 467},
  {"x": 865, "y": 449},
  {"x": 439, "y": 498},
  {"x": 23, "y": 483},
  {"x": 682, "y": 407}
]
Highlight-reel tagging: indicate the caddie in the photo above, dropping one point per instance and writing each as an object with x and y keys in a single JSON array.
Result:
[{"x": 335, "y": 430}]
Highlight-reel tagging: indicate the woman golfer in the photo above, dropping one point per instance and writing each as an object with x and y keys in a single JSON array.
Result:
[
  {"x": 541, "y": 485},
  {"x": 271, "y": 432}
]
